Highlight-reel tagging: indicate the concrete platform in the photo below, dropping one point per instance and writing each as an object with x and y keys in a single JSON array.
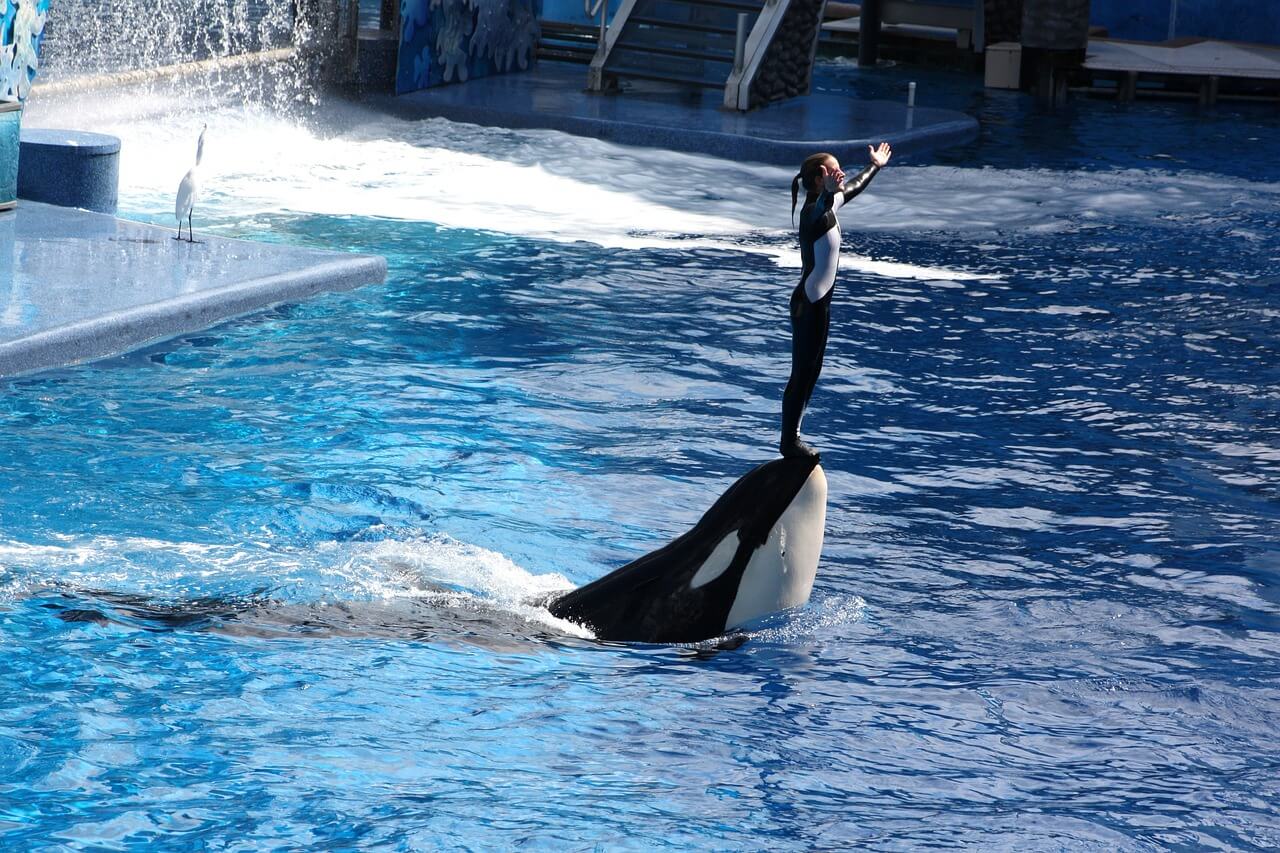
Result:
[
  {"x": 1191, "y": 59},
  {"x": 76, "y": 286},
  {"x": 553, "y": 96}
]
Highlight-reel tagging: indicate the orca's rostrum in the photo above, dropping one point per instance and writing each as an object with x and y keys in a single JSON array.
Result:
[{"x": 753, "y": 553}]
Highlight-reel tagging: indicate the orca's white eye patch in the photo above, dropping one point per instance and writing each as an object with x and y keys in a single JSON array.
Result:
[{"x": 717, "y": 561}]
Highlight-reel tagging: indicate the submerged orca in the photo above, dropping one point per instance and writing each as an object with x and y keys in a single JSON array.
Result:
[
  {"x": 755, "y": 552},
  {"x": 435, "y": 615}
]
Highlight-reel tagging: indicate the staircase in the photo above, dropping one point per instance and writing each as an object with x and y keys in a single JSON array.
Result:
[
  {"x": 754, "y": 51},
  {"x": 567, "y": 42},
  {"x": 686, "y": 42}
]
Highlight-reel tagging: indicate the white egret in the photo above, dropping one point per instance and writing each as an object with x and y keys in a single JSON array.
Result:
[{"x": 188, "y": 190}]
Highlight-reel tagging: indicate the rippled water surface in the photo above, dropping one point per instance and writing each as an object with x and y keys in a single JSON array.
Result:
[{"x": 265, "y": 587}]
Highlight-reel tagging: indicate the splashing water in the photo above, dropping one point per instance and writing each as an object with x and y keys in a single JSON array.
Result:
[
  {"x": 179, "y": 55},
  {"x": 132, "y": 34},
  {"x": 343, "y": 160},
  {"x": 434, "y": 570}
]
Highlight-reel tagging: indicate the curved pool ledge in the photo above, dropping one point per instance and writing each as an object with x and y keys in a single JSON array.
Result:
[
  {"x": 552, "y": 97},
  {"x": 77, "y": 286}
]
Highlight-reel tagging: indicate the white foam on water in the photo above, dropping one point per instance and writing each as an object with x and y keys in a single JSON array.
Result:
[
  {"x": 400, "y": 568},
  {"x": 384, "y": 570},
  {"x": 139, "y": 564},
  {"x": 554, "y": 186},
  {"x": 818, "y": 618}
]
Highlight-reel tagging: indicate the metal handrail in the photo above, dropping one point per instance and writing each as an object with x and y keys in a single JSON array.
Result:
[
  {"x": 601, "y": 8},
  {"x": 740, "y": 42}
]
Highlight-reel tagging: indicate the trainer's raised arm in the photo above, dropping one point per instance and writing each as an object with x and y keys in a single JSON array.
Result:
[{"x": 879, "y": 158}]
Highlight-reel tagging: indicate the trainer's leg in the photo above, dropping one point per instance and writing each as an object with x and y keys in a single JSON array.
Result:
[
  {"x": 820, "y": 325},
  {"x": 808, "y": 340}
]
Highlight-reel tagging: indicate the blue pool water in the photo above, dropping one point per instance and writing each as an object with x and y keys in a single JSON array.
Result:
[{"x": 265, "y": 587}]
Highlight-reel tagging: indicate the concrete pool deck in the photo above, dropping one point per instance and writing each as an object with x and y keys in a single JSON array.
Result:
[
  {"x": 552, "y": 96},
  {"x": 77, "y": 286}
]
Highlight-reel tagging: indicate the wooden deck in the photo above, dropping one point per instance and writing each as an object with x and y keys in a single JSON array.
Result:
[{"x": 1193, "y": 66}]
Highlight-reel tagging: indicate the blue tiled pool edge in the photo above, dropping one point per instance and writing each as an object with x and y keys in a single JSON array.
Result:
[
  {"x": 130, "y": 294},
  {"x": 550, "y": 97}
]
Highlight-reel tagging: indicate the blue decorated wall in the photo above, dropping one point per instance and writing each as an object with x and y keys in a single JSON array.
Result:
[
  {"x": 1255, "y": 21},
  {"x": 21, "y": 32},
  {"x": 449, "y": 41}
]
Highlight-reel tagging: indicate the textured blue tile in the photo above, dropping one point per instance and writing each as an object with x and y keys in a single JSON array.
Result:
[
  {"x": 76, "y": 285},
  {"x": 552, "y": 96},
  {"x": 70, "y": 168},
  {"x": 10, "y": 123}
]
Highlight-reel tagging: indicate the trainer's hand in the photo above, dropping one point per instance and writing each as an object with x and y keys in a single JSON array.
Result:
[
  {"x": 880, "y": 156},
  {"x": 832, "y": 179}
]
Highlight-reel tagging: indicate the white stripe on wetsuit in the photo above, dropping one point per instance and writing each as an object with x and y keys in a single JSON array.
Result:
[
  {"x": 826, "y": 260},
  {"x": 826, "y": 248}
]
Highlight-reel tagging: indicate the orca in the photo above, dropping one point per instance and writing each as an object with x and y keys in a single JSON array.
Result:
[{"x": 753, "y": 553}]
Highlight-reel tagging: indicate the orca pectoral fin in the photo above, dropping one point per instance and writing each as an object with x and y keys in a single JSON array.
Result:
[
  {"x": 728, "y": 643},
  {"x": 731, "y": 642}
]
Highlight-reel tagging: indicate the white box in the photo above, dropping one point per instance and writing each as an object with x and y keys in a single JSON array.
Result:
[{"x": 1004, "y": 65}]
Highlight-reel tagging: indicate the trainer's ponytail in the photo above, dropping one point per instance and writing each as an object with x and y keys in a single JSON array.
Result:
[{"x": 795, "y": 189}]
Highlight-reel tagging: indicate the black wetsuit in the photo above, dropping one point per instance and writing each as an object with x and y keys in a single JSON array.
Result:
[{"x": 811, "y": 302}]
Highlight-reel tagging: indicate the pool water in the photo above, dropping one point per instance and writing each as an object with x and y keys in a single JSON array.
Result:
[{"x": 267, "y": 586}]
